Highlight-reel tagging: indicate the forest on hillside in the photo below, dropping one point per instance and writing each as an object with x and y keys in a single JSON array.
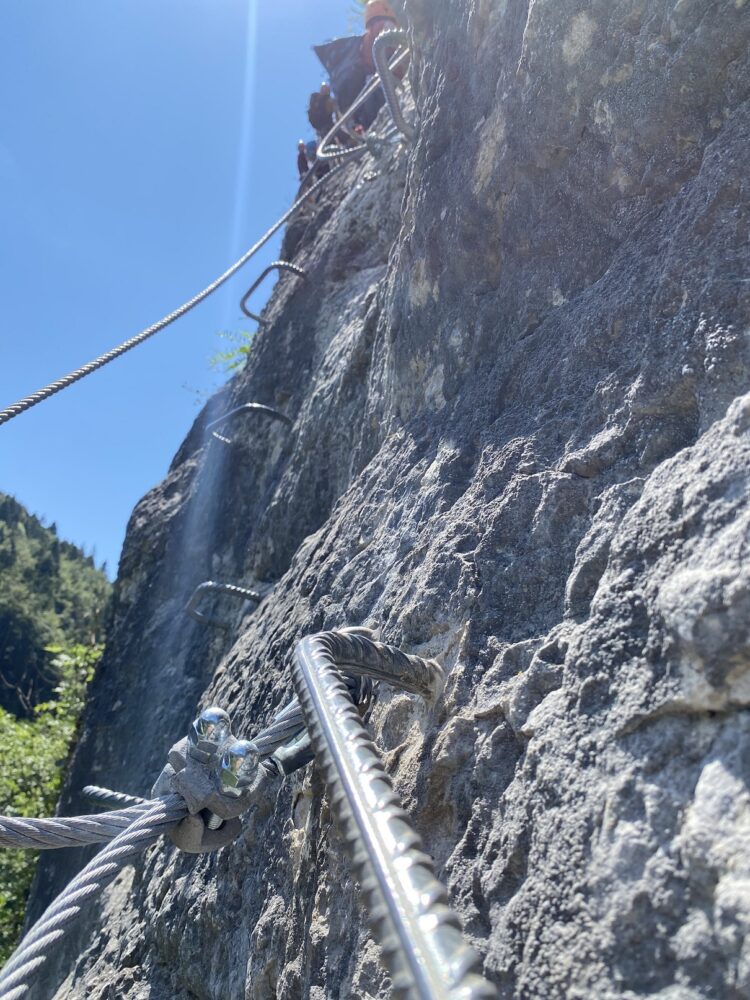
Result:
[
  {"x": 53, "y": 603},
  {"x": 51, "y": 594}
]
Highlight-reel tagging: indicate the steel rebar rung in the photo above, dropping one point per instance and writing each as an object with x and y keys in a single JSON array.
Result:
[
  {"x": 389, "y": 81},
  {"x": 327, "y": 152},
  {"x": 258, "y": 408},
  {"x": 421, "y": 938},
  {"x": 277, "y": 265},
  {"x": 222, "y": 588}
]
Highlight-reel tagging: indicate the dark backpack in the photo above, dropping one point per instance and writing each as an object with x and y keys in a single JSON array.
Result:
[
  {"x": 342, "y": 59},
  {"x": 317, "y": 113}
]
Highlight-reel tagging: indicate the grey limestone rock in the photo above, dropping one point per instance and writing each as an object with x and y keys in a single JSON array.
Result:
[{"x": 517, "y": 376}]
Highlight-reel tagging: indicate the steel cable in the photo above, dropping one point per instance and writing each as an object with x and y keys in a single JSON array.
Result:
[
  {"x": 49, "y": 390},
  {"x": 59, "y": 917},
  {"x": 290, "y": 721},
  {"x": 324, "y": 151},
  {"x": 112, "y": 800},
  {"x": 421, "y": 938},
  {"x": 58, "y": 385},
  {"x": 66, "y": 831}
]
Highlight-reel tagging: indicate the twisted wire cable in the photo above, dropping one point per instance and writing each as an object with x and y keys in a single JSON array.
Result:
[
  {"x": 387, "y": 39},
  {"x": 407, "y": 907},
  {"x": 59, "y": 917},
  {"x": 66, "y": 831},
  {"x": 290, "y": 721},
  {"x": 112, "y": 800},
  {"x": 49, "y": 390},
  {"x": 276, "y": 265},
  {"x": 222, "y": 588},
  {"x": 259, "y": 408},
  {"x": 327, "y": 152}
]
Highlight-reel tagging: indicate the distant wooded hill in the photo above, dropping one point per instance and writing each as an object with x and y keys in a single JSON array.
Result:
[{"x": 51, "y": 593}]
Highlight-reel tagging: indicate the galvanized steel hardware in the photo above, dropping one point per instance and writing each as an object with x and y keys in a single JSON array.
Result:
[
  {"x": 239, "y": 764},
  {"x": 211, "y": 778},
  {"x": 385, "y": 40},
  {"x": 328, "y": 152},
  {"x": 109, "y": 799},
  {"x": 212, "y": 728},
  {"x": 407, "y": 907},
  {"x": 57, "y": 920},
  {"x": 277, "y": 265},
  {"x": 260, "y": 408},
  {"x": 210, "y": 586}
]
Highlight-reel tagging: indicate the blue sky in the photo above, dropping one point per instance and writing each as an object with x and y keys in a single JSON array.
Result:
[{"x": 144, "y": 144}]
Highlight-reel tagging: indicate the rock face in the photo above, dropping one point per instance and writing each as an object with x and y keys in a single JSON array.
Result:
[{"x": 520, "y": 444}]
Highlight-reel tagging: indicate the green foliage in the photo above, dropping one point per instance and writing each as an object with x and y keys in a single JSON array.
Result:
[
  {"x": 235, "y": 355},
  {"x": 33, "y": 753},
  {"x": 51, "y": 593}
]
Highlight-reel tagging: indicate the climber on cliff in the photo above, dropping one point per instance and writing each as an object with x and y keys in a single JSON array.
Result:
[
  {"x": 310, "y": 170},
  {"x": 302, "y": 165},
  {"x": 379, "y": 17},
  {"x": 350, "y": 64},
  {"x": 322, "y": 111}
]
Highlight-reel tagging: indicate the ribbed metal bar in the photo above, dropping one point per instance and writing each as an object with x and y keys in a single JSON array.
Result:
[
  {"x": 327, "y": 152},
  {"x": 277, "y": 265},
  {"x": 421, "y": 938},
  {"x": 385, "y": 40},
  {"x": 221, "y": 588},
  {"x": 260, "y": 408}
]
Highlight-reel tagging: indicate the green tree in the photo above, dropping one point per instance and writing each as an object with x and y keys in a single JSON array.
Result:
[
  {"x": 34, "y": 752},
  {"x": 52, "y": 594},
  {"x": 234, "y": 356}
]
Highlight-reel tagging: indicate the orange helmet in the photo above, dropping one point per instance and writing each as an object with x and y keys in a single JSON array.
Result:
[{"x": 379, "y": 8}]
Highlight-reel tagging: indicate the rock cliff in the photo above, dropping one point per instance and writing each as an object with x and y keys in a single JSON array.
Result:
[{"x": 520, "y": 445}]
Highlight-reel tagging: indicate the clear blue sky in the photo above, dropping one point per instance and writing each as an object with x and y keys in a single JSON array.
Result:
[{"x": 144, "y": 144}]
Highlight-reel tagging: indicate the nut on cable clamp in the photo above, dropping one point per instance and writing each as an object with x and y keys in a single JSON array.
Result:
[{"x": 218, "y": 778}]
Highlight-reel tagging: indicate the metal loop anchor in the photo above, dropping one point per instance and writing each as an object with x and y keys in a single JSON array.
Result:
[
  {"x": 260, "y": 408},
  {"x": 277, "y": 265},
  {"x": 231, "y": 589}
]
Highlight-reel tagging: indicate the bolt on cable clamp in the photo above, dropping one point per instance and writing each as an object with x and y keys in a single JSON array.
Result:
[
  {"x": 219, "y": 777},
  {"x": 216, "y": 782}
]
